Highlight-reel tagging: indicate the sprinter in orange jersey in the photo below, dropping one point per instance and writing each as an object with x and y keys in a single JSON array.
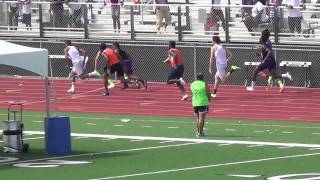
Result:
[
  {"x": 113, "y": 65},
  {"x": 177, "y": 69}
]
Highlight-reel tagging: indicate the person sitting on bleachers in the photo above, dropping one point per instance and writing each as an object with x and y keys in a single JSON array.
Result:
[
  {"x": 258, "y": 16},
  {"x": 246, "y": 11}
]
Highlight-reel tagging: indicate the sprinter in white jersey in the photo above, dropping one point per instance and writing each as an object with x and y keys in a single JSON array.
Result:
[
  {"x": 76, "y": 57},
  {"x": 221, "y": 56}
]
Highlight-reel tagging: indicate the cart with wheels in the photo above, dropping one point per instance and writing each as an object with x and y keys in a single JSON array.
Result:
[{"x": 13, "y": 131}]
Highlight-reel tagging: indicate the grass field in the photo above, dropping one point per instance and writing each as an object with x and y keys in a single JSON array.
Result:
[{"x": 160, "y": 148}]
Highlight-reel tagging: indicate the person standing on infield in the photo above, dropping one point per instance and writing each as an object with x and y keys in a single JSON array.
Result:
[{"x": 200, "y": 102}]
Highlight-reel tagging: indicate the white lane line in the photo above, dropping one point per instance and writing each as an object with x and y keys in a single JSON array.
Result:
[
  {"x": 125, "y": 120},
  {"x": 107, "y": 139},
  {"x": 163, "y": 142},
  {"x": 207, "y": 166},
  {"x": 25, "y": 139},
  {"x": 224, "y": 144},
  {"x": 230, "y": 130},
  {"x": 198, "y": 140},
  {"x": 13, "y": 90},
  {"x": 80, "y": 137},
  {"x": 143, "y": 126},
  {"x": 118, "y": 125},
  {"x": 181, "y": 122},
  {"x": 37, "y": 121},
  {"x": 242, "y": 175},
  {"x": 137, "y": 140},
  {"x": 286, "y": 132},
  {"x": 312, "y": 149},
  {"x": 92, "y": 124},
  {"x": 316, "y": 133},
  {"x": 258, "y": 145},
  {"x": 173, "y": 127},
  {"x": 99, "y": 153},
  {"x": 284, "y": 147}
]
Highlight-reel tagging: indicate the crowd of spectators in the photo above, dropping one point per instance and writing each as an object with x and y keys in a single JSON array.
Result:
[{"x": 254, "y": 13}]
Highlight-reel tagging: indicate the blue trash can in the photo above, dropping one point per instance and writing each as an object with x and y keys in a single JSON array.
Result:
[{"x": 57, "y": 135}]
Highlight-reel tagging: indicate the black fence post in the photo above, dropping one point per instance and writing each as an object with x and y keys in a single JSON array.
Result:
[
  {"x": 40, "y": 21},
  {"x": 85, "y": 18},
  {"x": 276, "y": 24},
  {"x": 227, "y": 19},
  {"x": 179, "y": 24},
  {"x": 188, "y": 23},
  {"x": 132, "y": 23}
]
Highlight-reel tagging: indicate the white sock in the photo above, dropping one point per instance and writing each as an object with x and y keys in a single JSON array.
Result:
[
  {"x": 253, "y": 83},
  {"x": 285, "y": 75}
]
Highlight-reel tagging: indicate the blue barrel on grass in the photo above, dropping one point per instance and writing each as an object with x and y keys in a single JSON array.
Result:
[{"x": 57, "y": 135}]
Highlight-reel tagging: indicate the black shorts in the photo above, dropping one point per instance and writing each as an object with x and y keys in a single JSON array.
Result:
[
  {"x": 201, "y": 109},
  {"x": 115, "y": 68},
  {"x": 269, "y": 63},
  {"x": 128, "y": 65},
  {"x": 176, "y": 73}
]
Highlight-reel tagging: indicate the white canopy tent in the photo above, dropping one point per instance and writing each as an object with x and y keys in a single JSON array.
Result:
[{"x": 32, "y": 59}]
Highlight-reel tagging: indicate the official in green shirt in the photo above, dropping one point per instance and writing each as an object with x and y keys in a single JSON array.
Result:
[{"x": 200, "y": 102}]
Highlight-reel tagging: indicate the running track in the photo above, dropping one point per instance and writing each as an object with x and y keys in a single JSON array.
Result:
[{"x": 295, "y": 104}]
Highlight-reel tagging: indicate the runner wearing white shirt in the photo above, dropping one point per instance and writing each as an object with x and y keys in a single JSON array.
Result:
[
  {"x": 221, "y": 55},
  {"x": 73, "y": 55}
]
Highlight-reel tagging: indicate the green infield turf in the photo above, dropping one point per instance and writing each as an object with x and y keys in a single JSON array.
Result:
[{"x": 161, "y": 148}]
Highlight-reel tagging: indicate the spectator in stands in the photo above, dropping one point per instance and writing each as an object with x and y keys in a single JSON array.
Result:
[
  {"x": 56, "y": 8},
  {"x": 115, "y": 12},
  {"x": 162, "y": 12},
  {"x": 75, "y": 13},
  {"x": 294, "y": 14},
  {"x": 246, "y": 11},
  {"x": 218, "y": 13},
  {"x": 258, "y": 16},
  {"x": 264, "y": 2},
  {"x": 13, "y": 11},
  {"x": 26, "y": 13},
  {"x": 275, "y": 14}
]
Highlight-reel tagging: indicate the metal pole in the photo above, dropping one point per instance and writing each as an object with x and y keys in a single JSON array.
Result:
[
  {"x": 227, "y": 20},
  {"x": 179, "y": 24},
  {"x": 195, "y": 61},
  {"x": 132, "y": 23},
  {"x": 276, "y": 23},
  {"x": 40, "y": 22},
  {"x": 85, "y": 18},
  {"x": 188, "y": 23},
  {"x": 47, "y": 95}
]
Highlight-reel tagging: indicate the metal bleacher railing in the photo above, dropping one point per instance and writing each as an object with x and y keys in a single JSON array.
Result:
[{"x": 190, "y": 22}]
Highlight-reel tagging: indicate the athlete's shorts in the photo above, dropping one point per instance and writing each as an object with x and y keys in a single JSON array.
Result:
[
  {"x": 128, "y": 67},
  {"x": 77, "y": 67},
  {"x": 201, "y": 109},
  {"x": 221, "y": 71},
  {"x": 115, "y": 10},
  {"x": 115, "y": 68},
  {"x": 176, "y": 73},
  {"x": 269, "y": 63}
]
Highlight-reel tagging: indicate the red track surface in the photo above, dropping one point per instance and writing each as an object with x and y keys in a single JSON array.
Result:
[{"x": 295, "y": 104}]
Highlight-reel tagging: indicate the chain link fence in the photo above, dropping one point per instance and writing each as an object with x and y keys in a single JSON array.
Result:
[
  {"x": 148, "y": 61},
  {"x": 189, "y": 22}
]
